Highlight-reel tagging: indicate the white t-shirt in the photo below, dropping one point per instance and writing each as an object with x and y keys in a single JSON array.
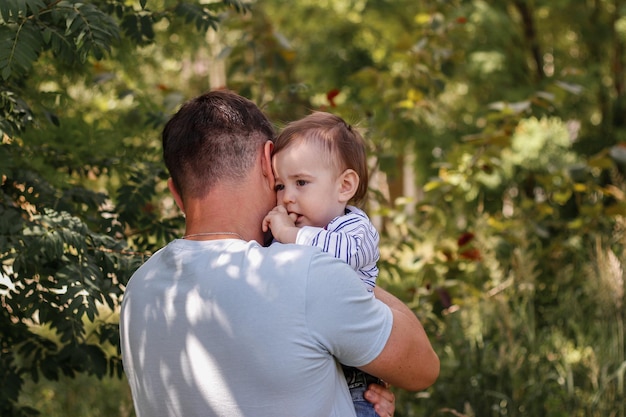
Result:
[{"x": 230, "y": 328}]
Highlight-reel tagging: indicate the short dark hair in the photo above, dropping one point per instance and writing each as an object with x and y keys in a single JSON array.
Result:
[
  {"x": 213, "y": 137},
  {"x": 344, "y": 145}
]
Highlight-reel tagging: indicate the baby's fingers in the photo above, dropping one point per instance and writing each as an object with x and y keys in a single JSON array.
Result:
[{"x": 265, "y": 226}]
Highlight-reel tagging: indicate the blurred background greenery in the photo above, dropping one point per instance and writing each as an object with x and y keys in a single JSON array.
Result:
[{"x": 497, "y": 135}]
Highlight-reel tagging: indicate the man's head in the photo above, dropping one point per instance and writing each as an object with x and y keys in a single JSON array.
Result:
[{"x": 215, "y": 137}]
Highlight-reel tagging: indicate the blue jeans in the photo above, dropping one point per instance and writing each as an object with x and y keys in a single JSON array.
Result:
[{"x": 358, "y": 382}]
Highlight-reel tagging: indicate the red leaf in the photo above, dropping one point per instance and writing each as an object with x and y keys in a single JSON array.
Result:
[
  {"x": 148, "y": 208},
  {"x": 465, "y": 238},
  {"x": 471, "y": 254},
  {"x": 331, "y": 96}
]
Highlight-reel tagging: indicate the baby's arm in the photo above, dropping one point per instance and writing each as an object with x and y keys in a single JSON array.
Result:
[
  {"x": 282, "y": 224},
  {"x": 351, "y": 238}
]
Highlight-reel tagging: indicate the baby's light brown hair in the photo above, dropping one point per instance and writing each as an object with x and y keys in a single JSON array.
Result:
[{"x": 343, "y": 145}]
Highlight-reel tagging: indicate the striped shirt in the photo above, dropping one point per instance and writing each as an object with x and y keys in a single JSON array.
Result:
[{"x": 351, "y": 238}]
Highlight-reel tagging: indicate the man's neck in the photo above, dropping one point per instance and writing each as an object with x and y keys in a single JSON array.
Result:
[{"x": 223, "y": 214}]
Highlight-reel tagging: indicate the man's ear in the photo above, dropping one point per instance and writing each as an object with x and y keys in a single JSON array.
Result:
[
  {"x": 176, "y": 195},
  {"x": 348, "y": 184},
  {"x": 266, "y": 163}
]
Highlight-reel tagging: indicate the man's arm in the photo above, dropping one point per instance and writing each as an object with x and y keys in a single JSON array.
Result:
[{"x": 408, "y": 360}]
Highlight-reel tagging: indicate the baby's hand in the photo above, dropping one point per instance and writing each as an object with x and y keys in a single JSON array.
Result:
[{"x": 282, "y": 224}]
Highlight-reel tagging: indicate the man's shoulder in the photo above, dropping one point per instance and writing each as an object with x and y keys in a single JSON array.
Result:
[
  {"x": 288, "y": 250},
  {"x": 286, "y": 253}
]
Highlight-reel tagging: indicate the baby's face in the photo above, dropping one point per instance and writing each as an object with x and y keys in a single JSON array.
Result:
[{"x": 307, "y": 184}]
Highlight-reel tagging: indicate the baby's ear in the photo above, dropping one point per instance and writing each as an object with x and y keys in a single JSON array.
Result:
[{"x": 348, "y": 184}]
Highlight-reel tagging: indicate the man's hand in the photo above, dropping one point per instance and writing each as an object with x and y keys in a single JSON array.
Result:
[{"x": 383, "y": 399}]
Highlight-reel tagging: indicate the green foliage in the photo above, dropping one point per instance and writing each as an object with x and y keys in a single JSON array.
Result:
[
  {"x": 541, "y": 145},
  {"x": 109, "y": 396},
  {"x": 70, "y": 30},
  {"x": 17, "y": 113},
  {"x": 73, "y": 32},
  {"x": 511, "y": 292},
  {"x": 59, "y": 281}
]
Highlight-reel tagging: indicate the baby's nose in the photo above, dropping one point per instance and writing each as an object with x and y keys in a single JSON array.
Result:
[{"x": 288, "y": 197}]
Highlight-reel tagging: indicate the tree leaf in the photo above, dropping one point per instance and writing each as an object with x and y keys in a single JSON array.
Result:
[
  {"x": 10, "y": 10},
  {"x": 19, "y": 49},
  {"x": 35, "y": 6}
]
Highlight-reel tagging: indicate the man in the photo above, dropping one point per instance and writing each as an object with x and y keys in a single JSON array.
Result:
[{"x": 216, "y": 324}]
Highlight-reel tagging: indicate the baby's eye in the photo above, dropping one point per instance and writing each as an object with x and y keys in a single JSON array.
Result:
[
  {"x": 279, "y": 187},
  {"x": 300, "y": 183}
]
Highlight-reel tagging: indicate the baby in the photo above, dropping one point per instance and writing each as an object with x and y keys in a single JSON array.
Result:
[{"x": 320, "y": 166}]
